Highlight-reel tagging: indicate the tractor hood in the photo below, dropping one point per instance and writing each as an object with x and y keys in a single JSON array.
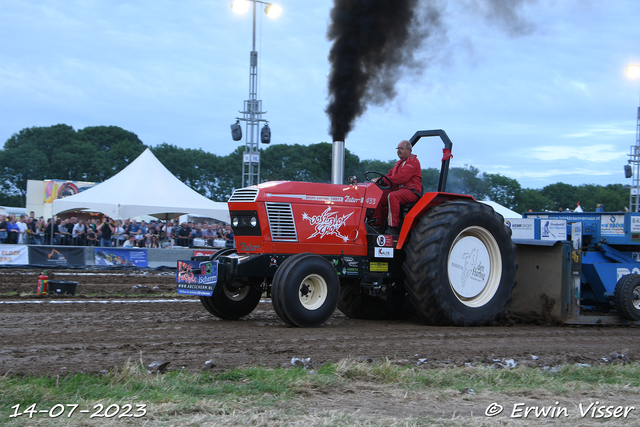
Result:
[{"x": 362, "y": 195}]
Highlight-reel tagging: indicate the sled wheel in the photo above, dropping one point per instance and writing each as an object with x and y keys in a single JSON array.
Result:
[
  {"x": 356, "y": 304},
  {"x": 627, "y": 296},
  {"x": 460, "y": 264},
  {"x": 231, "y": 301},
  {"x": 305, "y": 290}
]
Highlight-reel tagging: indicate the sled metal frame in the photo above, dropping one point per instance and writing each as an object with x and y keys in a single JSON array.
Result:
[{"x": 548, "y": 286}]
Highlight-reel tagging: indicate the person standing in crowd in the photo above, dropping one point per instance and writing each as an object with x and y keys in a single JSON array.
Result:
[
  {"x": 49, "y": 232},
  {"x": 183, "y": 235},
  {"x": 130, "y": 242},
  {"x": 119, "y": 232},
  {"x": 39, "y": 229},
  {"x": 22, "y": 233},
  {"x": 166, "y": 231},
  {"x": 152, "y": 229},
  {"x": 127, "y": 227},
  {"x": 71, "y": 222},
  {"x": 92, "y": 237},
  {"x": 207, "y": 234},
  {"x": 13, "y": 230},
  {"x": 64, "y": 237},
  {"x": 4, "y": 236},
  {"x": 133, "y": 230},
  {"x": 195, "y": 234},
  {"x": 106, "y": 231},
  {"x": 79, "y": 233},
  {"x": 140, "y": 238},
  {"x": 229, "y": 238},
  {"x": 153, "y": 242},
  {"x": 31, "y": 230}
]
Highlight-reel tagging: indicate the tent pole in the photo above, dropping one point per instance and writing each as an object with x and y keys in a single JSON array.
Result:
[{"x": 118, "y": 227}]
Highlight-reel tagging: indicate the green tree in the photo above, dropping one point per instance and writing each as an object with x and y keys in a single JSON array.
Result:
[
  {"x": 468, "y": 181},
  {"x": 561, "y": 195},
  {"x": 431, "y": 179},
  {"x": 502, "y": 190},
  {"x": 531, "y": 200},
  {"x": 59, "y": 152}
]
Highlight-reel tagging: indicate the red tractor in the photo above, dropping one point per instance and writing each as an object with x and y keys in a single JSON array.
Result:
[{"x": 310, "y": 248}]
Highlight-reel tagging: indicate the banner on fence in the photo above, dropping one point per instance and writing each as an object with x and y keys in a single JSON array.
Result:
[
  {"x": 121, "y": 257},
  {"x": 14, "y": 254},
  {"x": 57, "y": 256}
]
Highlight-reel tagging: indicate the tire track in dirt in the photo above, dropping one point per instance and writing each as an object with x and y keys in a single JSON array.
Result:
[{"x": 57, "y": 338}]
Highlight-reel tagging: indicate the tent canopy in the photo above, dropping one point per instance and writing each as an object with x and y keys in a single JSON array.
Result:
[
  {"x": 145, "y": 187},
  {"x": 502, "y": 210}
]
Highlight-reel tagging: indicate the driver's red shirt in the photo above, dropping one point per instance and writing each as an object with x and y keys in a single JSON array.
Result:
[{"x": 407, "y": 174}]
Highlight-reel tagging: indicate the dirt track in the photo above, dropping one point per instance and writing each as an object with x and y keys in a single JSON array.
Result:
[{"x": 96, "y": 330}]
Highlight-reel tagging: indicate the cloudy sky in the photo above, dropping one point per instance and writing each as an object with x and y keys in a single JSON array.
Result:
[{"x": 537, "y": 92}]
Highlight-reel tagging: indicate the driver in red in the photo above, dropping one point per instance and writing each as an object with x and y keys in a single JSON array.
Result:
[{"x": 406, "y": 177}]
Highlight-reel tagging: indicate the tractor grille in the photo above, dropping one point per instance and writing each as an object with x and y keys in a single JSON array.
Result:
[
  {"x": 281, "y": 224},
  {"x": 244, "y": 195}
]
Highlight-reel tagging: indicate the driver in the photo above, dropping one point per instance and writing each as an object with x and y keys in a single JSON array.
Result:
[{"x": 406, "y": 177}]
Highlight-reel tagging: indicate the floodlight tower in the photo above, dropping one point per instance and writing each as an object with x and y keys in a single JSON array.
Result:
[
  {"x": 633, "y": 71},
  {"x": 252, "y": 113}
]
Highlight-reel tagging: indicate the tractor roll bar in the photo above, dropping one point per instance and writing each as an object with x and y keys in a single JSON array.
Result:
[{"x": 444, "y": 169}]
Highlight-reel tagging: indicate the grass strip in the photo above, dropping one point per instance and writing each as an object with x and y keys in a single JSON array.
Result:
[{"x": 257, "y": 391}]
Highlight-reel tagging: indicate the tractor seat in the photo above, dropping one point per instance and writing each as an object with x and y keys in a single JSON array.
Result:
[{"x": 404, "y": 209}]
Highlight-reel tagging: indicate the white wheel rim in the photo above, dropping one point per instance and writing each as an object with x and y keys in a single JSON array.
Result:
[
  {"x": 635, "y": 298},
  {"x": 474, "y": 266},
  {"x": 313, "y": 292},
  {"x": 235, "y": 294}
]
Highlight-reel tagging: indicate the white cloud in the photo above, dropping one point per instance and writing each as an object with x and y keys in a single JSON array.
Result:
[{"x": 591, "y": 153}]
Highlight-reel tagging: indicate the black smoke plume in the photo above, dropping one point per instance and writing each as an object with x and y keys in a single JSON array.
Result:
[{"x": 374, "y": 42}]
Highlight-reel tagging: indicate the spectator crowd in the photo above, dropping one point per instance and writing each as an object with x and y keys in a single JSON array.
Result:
[{"x": 107, "y": 232}]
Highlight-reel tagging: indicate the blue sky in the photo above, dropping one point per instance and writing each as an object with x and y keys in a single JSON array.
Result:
[{"x": 541, "y": 97}]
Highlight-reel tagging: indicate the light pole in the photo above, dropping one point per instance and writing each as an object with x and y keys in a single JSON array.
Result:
[
  {"x": 633, "y": 71},
  {"x": 252, "y": 113}
]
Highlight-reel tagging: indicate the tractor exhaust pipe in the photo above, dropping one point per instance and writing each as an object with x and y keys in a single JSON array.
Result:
[{"x": 337, "y": 162}]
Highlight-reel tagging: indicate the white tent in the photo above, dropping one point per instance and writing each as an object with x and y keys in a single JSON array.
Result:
[
  {"x": 145, "y": 187},
  {"x": 502, "y": 210}
]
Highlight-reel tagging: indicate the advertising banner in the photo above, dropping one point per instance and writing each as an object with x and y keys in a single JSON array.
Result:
[
  {"x": 121, "y": 257},
  {"x": 196, "y": 277},
  {"x": 55, "y": 189},
  {"x": 521, "y": 228},
  {"x": 551, "y": 229},
  {"x": 56, "y": 256},
  {"x": 199, "y": 252},
  {"x": 14, "y": 254}
]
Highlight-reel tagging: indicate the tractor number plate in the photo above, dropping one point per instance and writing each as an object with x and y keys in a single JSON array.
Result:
[{"x": 197, "y": 277}]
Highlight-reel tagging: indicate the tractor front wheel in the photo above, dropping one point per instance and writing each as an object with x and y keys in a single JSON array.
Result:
[
  {"x": 231, "y": 301},
  {"x": 460, "y": 264},
  {"x": 305, "y": 290}
]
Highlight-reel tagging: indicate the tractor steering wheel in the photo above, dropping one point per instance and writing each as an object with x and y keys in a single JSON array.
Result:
[{"x": 382, "y": 182}]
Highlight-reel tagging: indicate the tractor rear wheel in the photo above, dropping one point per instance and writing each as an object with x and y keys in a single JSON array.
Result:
[
  {"x": 356, "y": 304},
  {"x": 627, "y": 296},
  {"x": 231, "y": 301},
  {"x": 305, "y": 290},
  {"x": 460, "y": 264}
]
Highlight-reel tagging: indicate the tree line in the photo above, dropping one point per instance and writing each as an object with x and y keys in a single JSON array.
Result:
[{"x": 97, "y": 153}]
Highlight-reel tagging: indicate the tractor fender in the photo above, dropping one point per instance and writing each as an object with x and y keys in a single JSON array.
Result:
[{"x": 422, "y": 206}]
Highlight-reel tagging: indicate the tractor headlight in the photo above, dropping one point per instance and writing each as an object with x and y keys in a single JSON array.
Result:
[{"x": 245, "y": 223}]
